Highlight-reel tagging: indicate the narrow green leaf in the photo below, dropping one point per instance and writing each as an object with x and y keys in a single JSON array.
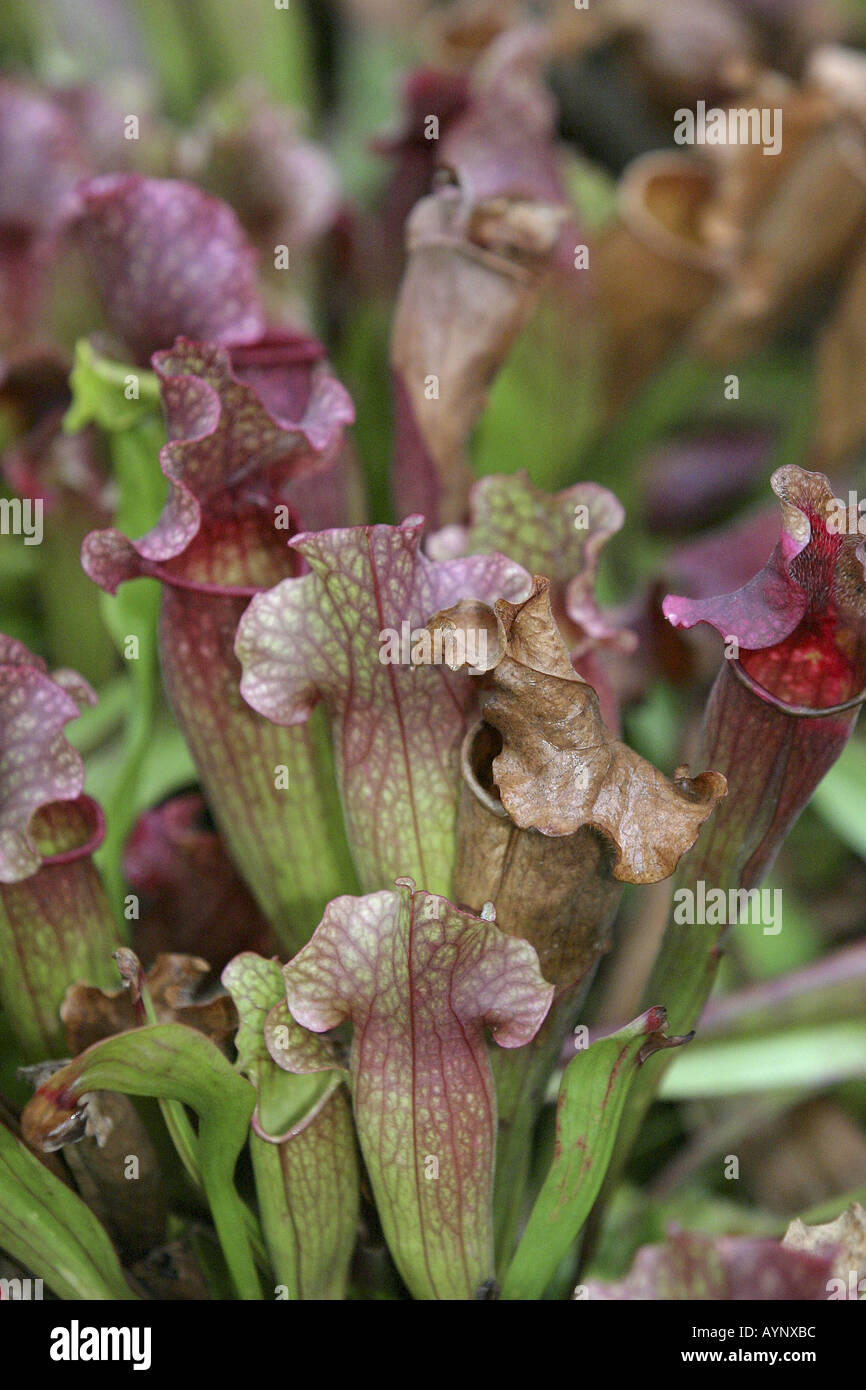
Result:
[
  {"x": 47, "y": 1228},
  {"x": 591, "y": 1100},
  {"x": 831, "y": 988},
  {"x": 840, "y": 797},
  {"x": 173, "y": 1062},
  {"x": 800, "y": 1058}
]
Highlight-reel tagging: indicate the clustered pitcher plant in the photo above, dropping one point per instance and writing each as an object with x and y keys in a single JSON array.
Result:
[{"x": 323, "y": 885}]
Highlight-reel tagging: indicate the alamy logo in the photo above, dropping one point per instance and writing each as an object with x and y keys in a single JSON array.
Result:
[
  {"x": 854, "y": 1289},
  {"x": 452, "y": 647},
  {"x": 846, "y": 521},
  {"x": 21, "y": 518},
  {"x": 76, "y": 1343},
  {"x": 714, "y": 907},
  {"x": 21, "y": 1290},
  {"x": 729, "y": 126}
]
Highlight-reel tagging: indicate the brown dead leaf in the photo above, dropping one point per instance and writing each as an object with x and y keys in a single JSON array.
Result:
[
  {"x": 656, "y": 269},
  {"x": 841, "y": 421},
  {"x": 847, "y": 1234},
  {"x": 471, "y": 283},
  {"x": 116, "y": 1171},
  {"x": 556, "y": 892},
  {"x": 172, "y": 1273},
  {"x": 560, "y": 767},
  {"x": 180, "y": 993}
]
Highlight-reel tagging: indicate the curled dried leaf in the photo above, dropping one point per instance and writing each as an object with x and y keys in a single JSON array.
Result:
[
  {"x": 843, "y": 1239},
  {"x": 560, "y": 767},
  {"x": 178, "y": 988}
]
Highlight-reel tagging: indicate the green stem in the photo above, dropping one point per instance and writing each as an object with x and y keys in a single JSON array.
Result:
[
  {"x": 521, "y": 1078},
  {"x": 133, "y": 614},
  {"x": 95, "y": 725},
  {"x": 184, "y": 1139}
]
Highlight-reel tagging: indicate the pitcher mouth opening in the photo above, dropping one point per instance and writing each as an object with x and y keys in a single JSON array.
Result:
[
  {"x": 480, "y": 746},
  {"x": 153, "y": 570},
  {"x": 93, "y": 832},
  {"x": 795, "y": 711}
]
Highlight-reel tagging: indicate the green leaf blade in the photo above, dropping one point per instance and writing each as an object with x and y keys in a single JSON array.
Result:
[
  {"x": 172, "y": 1062},
  {"x": 592, "y": 1096},
  {"x": 47, "y": 1227}
]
